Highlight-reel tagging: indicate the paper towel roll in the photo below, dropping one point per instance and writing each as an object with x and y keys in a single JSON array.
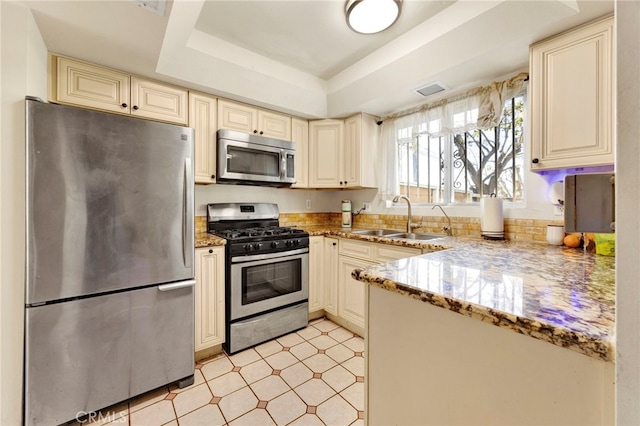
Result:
[{"x": 491, "y": 217}]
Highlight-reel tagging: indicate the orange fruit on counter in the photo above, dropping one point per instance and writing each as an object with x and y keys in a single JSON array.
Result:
[{"x": 572, "y": 240}]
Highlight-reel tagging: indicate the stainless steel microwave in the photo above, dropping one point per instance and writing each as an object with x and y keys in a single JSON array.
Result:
[{"x": 255, "y": 160}]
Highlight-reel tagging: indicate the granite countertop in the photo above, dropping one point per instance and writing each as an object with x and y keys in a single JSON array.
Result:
[{"x": 560, "y": 295}]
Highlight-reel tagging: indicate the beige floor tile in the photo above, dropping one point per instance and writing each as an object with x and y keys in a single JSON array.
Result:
[
  {"x": 171, "y": 423},
  {"x": 268, "y": 348},
  {"x": 286, "y": 408},
  {"x": 209, "y": 415},
  {"x": 339, "y": 378},
  {"x": 257, "y": 417},
  {"x": 224, "y": 385},
  {"x": 309, "y": 333},
  {"x": 355, "y": 343},
  {"x": 153, "y": 415},
  {"x": 269, "y": 388},
  {"x": 359, "y": 422},
  {"x": 281, "y": 360},
  {"x": 314, "y": 392},
  {"x": 198, "y": 379},
  {"x": 339, "y": 353},
  {"x": 336, "y": 411},
  {"x": 114, "y": 414},
  {"x": 319, "y": 363},
  {"x": 317, "y": 320},
  {"x": 354, "y": 394},
  {"x": 304, "y": 350},
  {"x": 216, "y": 368},
  {"x": 296, "y": 374},
  {"x": 238, "y": 403},
  {"x": 256, "y": 371},
  {"x": 245, "y": 357},
  {"x": 340, "y": 334},
  {"x": 326, "y": 325},
  {"x": 323, "y": 342},
  {"x": 355, "y": 365},
  {"x": 186, "y": 402},
  {"x": 307, "y": 420},
  {"x": 290, "y": 340},
  {"x": 148, "y": 399},
  {"x": 119, "y": 420}
]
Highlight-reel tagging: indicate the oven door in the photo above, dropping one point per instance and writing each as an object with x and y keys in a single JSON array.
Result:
[{"x": 264, "y": 282}]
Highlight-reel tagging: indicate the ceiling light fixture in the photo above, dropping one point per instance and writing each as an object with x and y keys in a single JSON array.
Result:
[{"x": 372, "y": 16}]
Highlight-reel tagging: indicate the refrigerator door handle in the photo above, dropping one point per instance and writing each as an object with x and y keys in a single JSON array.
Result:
[
  {"x": 175, "y": 286},
  {"x": 187, "y": 212}
]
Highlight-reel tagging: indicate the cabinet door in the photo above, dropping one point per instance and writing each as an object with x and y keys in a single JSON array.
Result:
[
  {"x": 316, "y": 273},
  {"x": 571, "y": 98},
  {"x": 351, "y": 161},
  {"x": 238, "y": 117},
  {"x": 351, "y": 293},
  {"x": 209, "y": 298},
  {"x": 331, "y": 275},
  {"x": 274, "y": 125},
  {"x": 150, "y": 99},
  {"x": 202, "y": 117},
  {"x": 325, "y": 153},
  {"x": 91, "y": 86},
  {"x": 300, "y": 135}
]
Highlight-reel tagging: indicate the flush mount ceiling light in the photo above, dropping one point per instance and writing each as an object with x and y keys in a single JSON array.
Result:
[{"x": 372, "y": 16}]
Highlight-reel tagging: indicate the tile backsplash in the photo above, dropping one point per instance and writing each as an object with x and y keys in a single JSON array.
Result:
[{"x": 515, "y": 229}]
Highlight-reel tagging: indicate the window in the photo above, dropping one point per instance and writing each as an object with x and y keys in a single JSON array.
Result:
[{"x": 462, "y": 166}]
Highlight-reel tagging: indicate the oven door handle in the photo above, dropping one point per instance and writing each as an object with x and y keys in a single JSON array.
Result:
[{"x": 288, "y": 253}]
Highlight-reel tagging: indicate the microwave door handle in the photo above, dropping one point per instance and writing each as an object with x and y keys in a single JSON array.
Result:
[{"x": 283, "y": 164}]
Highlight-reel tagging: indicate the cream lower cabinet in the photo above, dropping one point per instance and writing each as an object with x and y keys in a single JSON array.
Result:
[
  {"x": 571, "y": 98},
  {"x": 331, "y": 275},
  {"x": 316, "y": 274},
  {"x": 351, "y": 293},
  {"x": 209, "y": 297},
  {"x": 202, "y": 117}
]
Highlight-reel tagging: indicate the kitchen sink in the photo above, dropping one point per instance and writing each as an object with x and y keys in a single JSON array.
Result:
[
  {"x": 375, "y": 232},
  {"x": 415, "y": 236}
]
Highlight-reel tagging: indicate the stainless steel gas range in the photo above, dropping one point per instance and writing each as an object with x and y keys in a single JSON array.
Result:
[{"x": 266, "y": 273}]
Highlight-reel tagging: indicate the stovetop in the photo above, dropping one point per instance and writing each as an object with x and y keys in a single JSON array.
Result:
[{"x": 257, "y": 233}]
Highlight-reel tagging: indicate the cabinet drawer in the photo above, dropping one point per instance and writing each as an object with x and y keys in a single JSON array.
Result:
[
  {"x": 385, "y": 253},
  {"x": 356, "y": 249}
]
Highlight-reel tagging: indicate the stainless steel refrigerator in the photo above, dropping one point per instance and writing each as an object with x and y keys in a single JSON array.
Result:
[{"x": 110, "y": 271}]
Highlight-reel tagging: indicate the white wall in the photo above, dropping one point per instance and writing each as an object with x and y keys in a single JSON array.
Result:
[
  {"x": 627, "y": 208},
  {"x": 23, "y": 71}
]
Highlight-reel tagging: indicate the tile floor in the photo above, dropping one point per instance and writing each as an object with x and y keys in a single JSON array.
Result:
[{"x": 312, "y": 377}]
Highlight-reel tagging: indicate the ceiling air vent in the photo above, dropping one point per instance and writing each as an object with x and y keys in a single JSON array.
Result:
[{"x": 431, "y": 88}]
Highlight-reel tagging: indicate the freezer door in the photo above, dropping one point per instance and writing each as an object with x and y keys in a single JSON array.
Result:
[
  {"x": 109, "y": 202},
  {"x": 88, "y": 354}
]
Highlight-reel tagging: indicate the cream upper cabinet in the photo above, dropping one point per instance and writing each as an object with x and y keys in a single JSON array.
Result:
[
  {"x": 571, "y": 98},
  {"x": 300, "y": 135},
  {"x": 325, "y": 153},
  {"x": 79, "y": 83},
  {"x": 248, "y": 119},
  {"x": 202, "y": 117},
  {"x": 343, "y": 153},
  {"x": 316, "y": 274},
  {"x": 209, "y": 298},
  {"x": 157, "y": 101},
  {"x": 331, "y": 275}
]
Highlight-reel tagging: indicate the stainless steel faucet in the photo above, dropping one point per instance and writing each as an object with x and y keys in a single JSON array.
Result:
[
  {"x": 410, "y": 224},
  {"x": 446, "y": 229}
]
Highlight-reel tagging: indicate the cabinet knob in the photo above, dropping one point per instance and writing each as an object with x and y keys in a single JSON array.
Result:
[
  {"x": 535, "y": 161},
  {"x": 341, "y": 183},
  {"x": 124, "y": 105},
  {"x": 213, "y": 176},
  {"x": 334, "y": 244},
  {"x": 345, "y": 182},
  {"x": 255, "y": 131},
  {"x": 261, "y": 132},
  {"x": 210, "y": 250},
  {"x": 135, "y": 107}
]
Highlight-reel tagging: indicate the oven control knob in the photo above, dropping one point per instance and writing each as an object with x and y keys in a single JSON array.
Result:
[
  {"x": 274, "y": 244},
  {"x": 296, "y": 242},
  {"x": 257, "y": 246},
  {"x": 247, "y": 247},
  {"x": 289, "y": 243}
]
